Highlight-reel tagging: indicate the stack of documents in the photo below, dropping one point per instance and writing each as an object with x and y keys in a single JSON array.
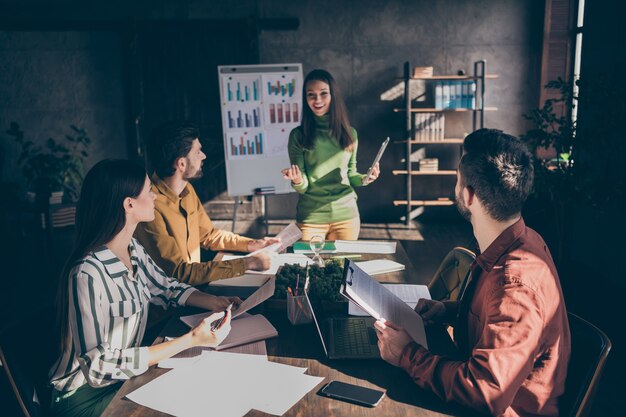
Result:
[{"x": 214, "y": 384}]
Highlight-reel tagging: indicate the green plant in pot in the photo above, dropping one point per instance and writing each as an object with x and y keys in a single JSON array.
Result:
[
  {"x": 57, "y": 166},
  {"x": 552, "y": 141},
  {"x": 324, "y": 282}
]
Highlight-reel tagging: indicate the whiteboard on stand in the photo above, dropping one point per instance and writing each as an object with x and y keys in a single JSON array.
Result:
[{"x": 260, "y": 105}]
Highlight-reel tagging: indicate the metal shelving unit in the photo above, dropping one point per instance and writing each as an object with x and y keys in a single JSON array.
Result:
[{"x": 478, "y": 121}]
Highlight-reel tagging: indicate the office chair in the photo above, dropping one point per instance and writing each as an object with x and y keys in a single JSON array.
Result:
[
  {"x": 451, "y": 274},
  {"x": 590, "y": 348},
  {"x": 26, "y": 353}
]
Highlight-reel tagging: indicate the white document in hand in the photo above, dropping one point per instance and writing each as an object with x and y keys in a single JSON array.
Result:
[
  {"x": 408, "y": 293},
  {"x": 381, "y": 303}
]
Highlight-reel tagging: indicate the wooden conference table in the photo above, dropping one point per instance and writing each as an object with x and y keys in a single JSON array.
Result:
[{"x": 300, "y": 346}]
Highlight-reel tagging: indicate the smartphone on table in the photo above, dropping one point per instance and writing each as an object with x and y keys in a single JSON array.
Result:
[{"x": 352, "y": 393}]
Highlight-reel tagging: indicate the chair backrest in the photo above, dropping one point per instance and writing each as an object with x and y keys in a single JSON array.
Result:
[
  {"x": 449, "y": 278},
  {"x": 27, "y": 354},
  {"x": 590, "y": 348}
]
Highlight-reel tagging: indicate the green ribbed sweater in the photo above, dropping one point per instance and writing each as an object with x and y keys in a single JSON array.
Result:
[{"x": 329, "y": 174}]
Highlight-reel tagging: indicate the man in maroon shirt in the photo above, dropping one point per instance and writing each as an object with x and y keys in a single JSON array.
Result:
[{"x": 510, "y": 325}]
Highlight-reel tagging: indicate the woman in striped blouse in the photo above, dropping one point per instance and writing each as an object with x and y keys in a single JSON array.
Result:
[{"x": 104, "y": 294}]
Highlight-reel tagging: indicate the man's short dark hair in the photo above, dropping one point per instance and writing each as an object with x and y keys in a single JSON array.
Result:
[
  {"x": 499, "y": 169},
  {"x": 168, "y": 142}
]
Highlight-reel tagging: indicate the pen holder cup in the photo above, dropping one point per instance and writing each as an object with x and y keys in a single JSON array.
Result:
[{"x": 298, "y": 311}]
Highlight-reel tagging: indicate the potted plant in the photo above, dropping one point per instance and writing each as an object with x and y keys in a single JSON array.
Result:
[
  {"x": 552, "y": 141},
  {"x": 53, "y": 169},
  {"x": 324, "y": 284}
]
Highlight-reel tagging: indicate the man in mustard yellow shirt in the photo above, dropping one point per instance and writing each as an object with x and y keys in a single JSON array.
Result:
[{"x": 181, "y": 225}]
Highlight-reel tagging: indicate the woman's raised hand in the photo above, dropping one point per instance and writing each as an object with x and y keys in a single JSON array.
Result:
[{"x": 293, "y": 174}]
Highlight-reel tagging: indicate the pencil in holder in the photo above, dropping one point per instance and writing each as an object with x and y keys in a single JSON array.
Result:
[{"x": 298, "y": 311}]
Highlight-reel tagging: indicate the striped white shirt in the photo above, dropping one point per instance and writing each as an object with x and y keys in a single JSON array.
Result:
[{"x": 108, "y": 311}]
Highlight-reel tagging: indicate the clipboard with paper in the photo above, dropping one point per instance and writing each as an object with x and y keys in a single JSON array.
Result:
[
  {"x": 380, "y": 303},
  {"x": 379, "y": 155}
]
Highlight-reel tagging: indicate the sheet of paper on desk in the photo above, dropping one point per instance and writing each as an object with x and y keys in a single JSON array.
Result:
[
  {"x": 381, "y": 303},
  {"x": 380, "y": 266},
  {"x": 365, "y": 246},
  {"x": 192, "y": 355},
  {"x": 278, "y": 260},
  {"x": 408, "y": 293},
  {"x": 214, "y": 385}
]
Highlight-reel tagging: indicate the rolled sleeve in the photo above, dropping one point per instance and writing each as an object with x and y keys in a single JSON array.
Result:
[{"x": 500, "y": 361}]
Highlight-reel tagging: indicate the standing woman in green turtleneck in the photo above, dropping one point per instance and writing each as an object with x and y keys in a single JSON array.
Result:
[{"x": 322, "y": 151}]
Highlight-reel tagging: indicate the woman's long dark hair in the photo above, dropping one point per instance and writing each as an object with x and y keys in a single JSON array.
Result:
[
  {"x": 339, "y": 124},
  {"x": 100, "y": 216}
]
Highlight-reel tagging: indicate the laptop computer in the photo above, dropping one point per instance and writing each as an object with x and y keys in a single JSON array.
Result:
[{"x": 346, "y": 337}]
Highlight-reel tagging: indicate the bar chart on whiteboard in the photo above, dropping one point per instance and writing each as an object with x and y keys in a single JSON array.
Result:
[{"x": 261, "y": 104}]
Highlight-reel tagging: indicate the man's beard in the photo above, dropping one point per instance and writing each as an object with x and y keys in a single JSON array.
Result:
[
  {"x": 462, "y": 208},
  {"x": 190, "y": 175}
]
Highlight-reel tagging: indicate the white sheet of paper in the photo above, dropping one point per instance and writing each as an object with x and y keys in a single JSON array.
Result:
[
  {"x": 278, "y": 260},
  {"x": 214, "y": 385},
  {"x": 382, "y": 304},
  {"x": 282, "y": 388},
  {"x": 380, "y": 266},
  {"x": 264, "y": 292},
  {"x": 365, "y": 246},
  {"x": 408, "y": 293},
  {"x": 197, "y": 390},
  {"x": 246, "y": 280},
  {"x": 288, "y": 236},
  {"x": 192, "y": 355}
]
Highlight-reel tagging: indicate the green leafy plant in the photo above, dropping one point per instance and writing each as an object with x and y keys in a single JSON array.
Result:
[
  {"x": 552, "y": 140},
  {"x": 324, "y": 282},
  {"x": 55, "y": 166}
]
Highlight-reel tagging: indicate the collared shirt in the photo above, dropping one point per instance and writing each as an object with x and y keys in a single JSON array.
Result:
[
  {"x": 180, "y": 228},
  {"x": 108, "y": 311},
  {"x": 515, "y": 344}
]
